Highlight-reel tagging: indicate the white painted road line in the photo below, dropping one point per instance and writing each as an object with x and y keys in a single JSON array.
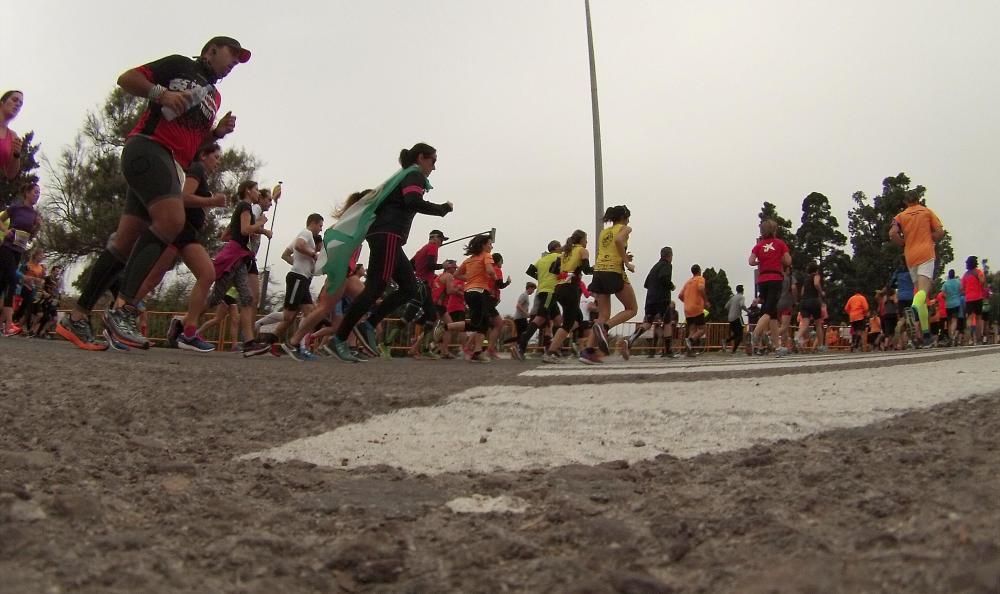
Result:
[
  {"x": 719, "y": 365},
  {"x": 487, "y": 428}
]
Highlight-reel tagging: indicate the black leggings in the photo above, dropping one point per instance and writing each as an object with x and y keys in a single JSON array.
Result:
[
  {"x": 386, "y": 262},
  {"x": 568, "y": 297},
  {"x": 9, "y": 261}
]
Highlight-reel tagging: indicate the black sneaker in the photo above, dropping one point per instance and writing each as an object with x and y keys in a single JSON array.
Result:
[
  {"x": 175, "y": 329},
  {"x": 254, "y": 348},
  {"x": 364, "y": 333}
]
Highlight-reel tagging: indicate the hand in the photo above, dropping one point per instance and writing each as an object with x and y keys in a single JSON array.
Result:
[
  {"x": 449, "y": 205},
  {"x": 508, "y": 279},
  {"x": 266, "y": 233},
  {"x": 630, "y": 266},
  {"x": 628, "y": 257},
  {"x": 176, "y": 100},
  {"x": 16, "y": 144},
  {"x": 219, "y": 199},
  {"x": 315, "y": 255},
  {"x": 226, "y": 125},
  {"x": 262, "y": 219}
]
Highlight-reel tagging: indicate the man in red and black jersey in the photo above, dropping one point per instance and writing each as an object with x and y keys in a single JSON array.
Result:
[{"x": 180, "y": 117}]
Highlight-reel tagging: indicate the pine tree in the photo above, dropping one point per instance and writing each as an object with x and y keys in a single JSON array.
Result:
[
  {"x": 718, "y": 291},
  {"x": 818, "y": 239},
  {"x": 770, "y": 211}
]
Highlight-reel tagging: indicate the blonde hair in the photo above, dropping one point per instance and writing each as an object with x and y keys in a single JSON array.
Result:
[
  {"x": 351, "y": 201},
  {"x": 768, "y": 228}
]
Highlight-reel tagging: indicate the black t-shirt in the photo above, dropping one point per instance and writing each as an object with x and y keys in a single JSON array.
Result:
[
  {"x": 659, "y": 282},
  {"x": 195, "y": 214},
  {"x": 395, "y": 214},
  {"x": 234, "y": 225}
]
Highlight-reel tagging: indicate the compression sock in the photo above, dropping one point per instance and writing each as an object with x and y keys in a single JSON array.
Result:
[
  {"x": 104, "y": 273},
  {"x": 920, "y": 306},
  {"x": 146, "y": 253}
]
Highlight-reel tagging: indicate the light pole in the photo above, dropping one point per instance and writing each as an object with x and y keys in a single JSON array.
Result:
[{"x": 598, "y": 166}]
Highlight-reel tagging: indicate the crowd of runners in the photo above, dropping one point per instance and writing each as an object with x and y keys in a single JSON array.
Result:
[{"x": 449, "y": 308}]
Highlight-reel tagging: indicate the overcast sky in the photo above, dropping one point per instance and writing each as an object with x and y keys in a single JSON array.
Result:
[{"x": 707, "y": 108}]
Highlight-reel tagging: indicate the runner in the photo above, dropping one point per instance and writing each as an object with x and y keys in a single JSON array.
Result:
[
  {"x": 695, "y": 301},
  {"x": 573, "y": 263},
  {"x": 734, "y": 313},
  {"x": 952, "y": 289},
  {"x": 232, "y": 263},
  {"x": 425, "y": 264},
  {"x": 10, "y": 143},
  {"x": 301, "y": 254},
  {"x": 183, "y": 103},
  {"x": 454, "y": 304},
  {"x": 903, "y": 283},
  {"x": 856, "y": 309},
  {"x": 974, "y": 287},
  {"x": 771, "y": 257},
  {"x": 786, "y": 305},
  {"x": 522, "y": 309},
  {"x": 479, "y": 274},
  {"x": 545, "y": 309},
  {"x": 658, "y": 284},
  {"x": 811, "y": 308},
  {"x": 23, "y": 223},
  {"x": 330, "y": 304},
  {"x": 610, "y": 279},
  {"x": 916, "y": 229},
  {"x": 386, "y": 237}
]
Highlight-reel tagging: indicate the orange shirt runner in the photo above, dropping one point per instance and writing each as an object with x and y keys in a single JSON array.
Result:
[{"x": 917, "y": 223}]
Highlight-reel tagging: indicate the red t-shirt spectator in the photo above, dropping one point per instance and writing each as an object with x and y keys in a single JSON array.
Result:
[{"x": 425, "y": 262}]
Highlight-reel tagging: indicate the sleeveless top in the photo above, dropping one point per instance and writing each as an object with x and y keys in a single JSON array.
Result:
[
  {"x": 569, "y": 265},
  {"x": 608, "y": 258}
]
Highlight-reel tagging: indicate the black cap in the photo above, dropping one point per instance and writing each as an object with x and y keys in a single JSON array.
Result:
[
  {"x": 241, "y": 52},
  {"x": 438, "y": 233}
]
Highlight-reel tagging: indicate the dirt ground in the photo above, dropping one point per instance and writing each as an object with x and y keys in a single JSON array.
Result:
[{"x": 118, "y": 473}]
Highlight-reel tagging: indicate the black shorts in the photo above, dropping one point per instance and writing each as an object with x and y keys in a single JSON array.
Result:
[
  {"x": 889, "y": 322},
  {"x": 151, "y": 174},
  {"x": 229, "y": 299},
  {"x": 973, "y": 307},
  {"x": 607, "y": 283},
  {"x": 297, "y": 291},
  {"x": 656, "y": 311},
  {"x": 440, "y": 310},
  {"x": 482, "y": 307},
  {"x": 545, "y": 305},
  {"x": 811, "y": 309},
  {"x": 457, "y": 316},
  {"x": 770, "y": 294},
  {"x": 953, "y": 312},
  {"x": 187, "y": 236},
  {"x": 698, "y": 320},
  {"x": 858, "y": 326},
  {"x": 905, "y": 304},
  {"x": 520, "y": 325}
]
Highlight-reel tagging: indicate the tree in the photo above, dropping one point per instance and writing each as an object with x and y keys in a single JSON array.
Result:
[
  {"x": 818, "y": 239},
  {"x": 875, "y": 257},
  {"x": 718, "y": 292},
  {"x": 770, "y": 211},
  {"x": 29, "y": 163},
  {"x": 87, "y": 191}
]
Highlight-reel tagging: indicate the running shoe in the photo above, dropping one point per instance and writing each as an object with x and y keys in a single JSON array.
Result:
[
  {"x": 194, "y": 343},
  {"x": 122, "y": 322},
  {"x": 384, "y": 351},
  {"x": 276, "y": 350},
  {"x": 12, "y": 330},
  {"x": 626, "y": 350},
  {"x": 928, "y": 342},
  {"x": 361, "y": 357},
  {"x": 253, "y": 348},
  {"x": 175, "y": 329},
  {"x": 343, "y": 350},
  {"x": 515, "y": 352},
  {"x": 589, "y": 357},
  {"x": 326, "y": 351},
  {"x": 367, "y": 341},
  {"x": 306, "y": 355},
  {"x": 689, "y": 346},
  {"x": 550, "y": 358},
  {"x": 290, "y": 350},
  {"x": 478, "y": 357},
  {"x": 79, "y": 333},
  {"x": 822, "y": 348},
  {"x": 114, "y": 343},
  {"x": 781, "y": 352},
  {"x": 601, "y": 334}
]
